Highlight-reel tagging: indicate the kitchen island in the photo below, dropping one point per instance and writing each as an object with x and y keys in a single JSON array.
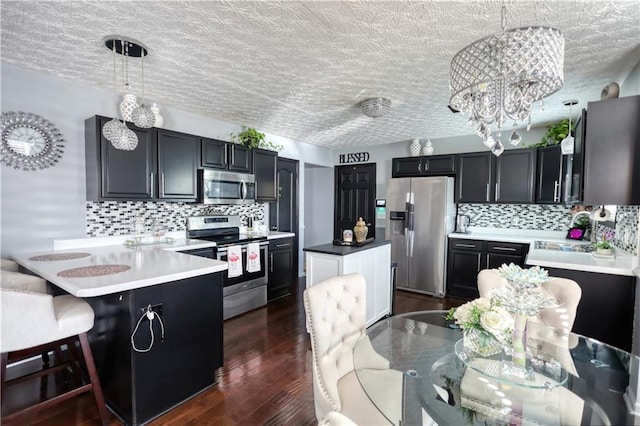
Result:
[
  {"x": 140, "y": 383},
  {"x": 373, "y": 261}
]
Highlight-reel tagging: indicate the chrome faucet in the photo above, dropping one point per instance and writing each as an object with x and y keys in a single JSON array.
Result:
[{"x": 591, "y": 224}]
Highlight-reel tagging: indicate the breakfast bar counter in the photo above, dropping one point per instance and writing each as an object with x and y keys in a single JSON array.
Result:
[{"x": 147, "y": 366}]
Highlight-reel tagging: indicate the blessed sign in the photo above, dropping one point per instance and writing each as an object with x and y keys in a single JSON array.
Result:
[{"x": 355, "y": 157}]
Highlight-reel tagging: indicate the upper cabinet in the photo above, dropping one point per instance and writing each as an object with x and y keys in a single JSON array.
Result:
[
  {"x": 508, "y": 178},
  {"x": 612, "y": 152},
  {"x": 161, "y": 167},
  {"x": 515, "y": 176},
  {"x": 264, "y": 168},
  {"x": 436, "y": 165},
  {"x": 475, "y": 174},
  {"x": 222, "y": 155}
]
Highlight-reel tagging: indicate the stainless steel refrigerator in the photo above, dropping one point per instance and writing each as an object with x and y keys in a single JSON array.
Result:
[{"x": 420, "y": 215}]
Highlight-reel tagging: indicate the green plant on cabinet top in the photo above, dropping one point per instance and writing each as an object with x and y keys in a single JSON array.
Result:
[
  {"x": 555, "y": 134},
  {"x": 251, "y": 138}
]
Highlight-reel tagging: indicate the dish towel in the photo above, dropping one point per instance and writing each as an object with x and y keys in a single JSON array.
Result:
[
  {"x": 253, "y": 257},
  {"x": 234, "y": 260}
]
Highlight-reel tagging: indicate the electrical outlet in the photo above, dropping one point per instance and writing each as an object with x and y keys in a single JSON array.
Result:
[{"x": 157, "y": 308}]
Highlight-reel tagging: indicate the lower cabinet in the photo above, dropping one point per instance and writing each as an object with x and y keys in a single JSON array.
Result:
[
  {"x": 605, "y": 311},
  {"x": 468, "y": 257},
  {"x": 281, "y": 268}
]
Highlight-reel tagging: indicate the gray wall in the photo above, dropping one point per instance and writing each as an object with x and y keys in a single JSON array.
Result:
[
  {"x": 631, "y": 85},
  {"x": 38, "y": 207},
  {"x": 318, "y": 205}
]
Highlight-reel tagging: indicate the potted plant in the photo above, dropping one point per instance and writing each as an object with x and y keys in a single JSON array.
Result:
[
  {"x": 251, "y": 138},
  {"x": 555, "y": 133},
  {"x": 604, "y": 246}
]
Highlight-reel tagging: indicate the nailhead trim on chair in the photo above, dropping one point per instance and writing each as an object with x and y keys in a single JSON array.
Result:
[{"x": 315, "y": 363}]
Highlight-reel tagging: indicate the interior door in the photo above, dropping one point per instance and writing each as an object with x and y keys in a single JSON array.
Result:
[
  {"x": 355, "y": 193},
  {"x": 283, "y": 213}
]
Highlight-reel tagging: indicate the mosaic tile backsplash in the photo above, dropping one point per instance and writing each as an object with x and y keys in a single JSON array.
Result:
[
  {"x": 550, "y": 218},
  {"x": 108, "y": 218}
]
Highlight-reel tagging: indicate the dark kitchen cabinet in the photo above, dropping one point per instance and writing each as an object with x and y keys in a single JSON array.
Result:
[
  {"x": 498, "y": 253},
  {"x": 466, "y": 258},
  {"x": 437, "y": 165},
  {"x": 216, "y": 154},
  {"x": 515, "y": 176},
  {"x": 605, "y": 311},
  {"x": 612, "y": 149},
  {"x": 161, "y": 167},
  {"x": 265, "y": 164},
  {"x": 475, "y": 175},
  {"x": 509, "y": 178},
  {"x": 177, "y": 162},
  {"x": 281, "y": 268},
  {"x": 549, "y": 179},
  {"x": 464, "y": 261}
]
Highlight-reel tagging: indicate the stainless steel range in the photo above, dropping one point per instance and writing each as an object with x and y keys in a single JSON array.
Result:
[{"x": 244, "y": 292}]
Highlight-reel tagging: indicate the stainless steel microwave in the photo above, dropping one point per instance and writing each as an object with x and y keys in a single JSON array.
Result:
[{"x": 218, "y": 187}]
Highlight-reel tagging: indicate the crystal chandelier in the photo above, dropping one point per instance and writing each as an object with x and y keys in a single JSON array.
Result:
[
  {"x": 375, "y": 107},
  {"x": 497, "y": 78}
]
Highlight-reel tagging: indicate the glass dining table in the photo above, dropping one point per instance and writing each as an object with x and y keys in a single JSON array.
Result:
[{"x": 437, "y": 384}]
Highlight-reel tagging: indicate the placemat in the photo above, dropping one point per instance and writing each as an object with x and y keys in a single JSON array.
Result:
[
  {"x": 59, "y": 256},
  {"x": 93, "y": 271}
]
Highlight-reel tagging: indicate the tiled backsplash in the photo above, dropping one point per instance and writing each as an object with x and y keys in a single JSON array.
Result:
[
  {"x": 109, "y": 218},
  {"x": 549, "y": 218}
]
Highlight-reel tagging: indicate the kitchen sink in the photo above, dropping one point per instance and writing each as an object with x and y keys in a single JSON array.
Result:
[{"x": 565, "y": 246}]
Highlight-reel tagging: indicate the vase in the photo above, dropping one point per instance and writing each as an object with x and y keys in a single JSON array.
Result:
[
  {"x": 415, "y": 148},
  {"x": 428, "y": 148},
  {"x": 519, "y": 356},
  {"x": 156, "y": 112},
  {"x": 360, "y": 230},
  {"x": 128, "y": 104},
  {"x": 481, "y": 342}
]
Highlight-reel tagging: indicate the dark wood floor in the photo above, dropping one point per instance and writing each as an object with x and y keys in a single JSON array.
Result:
[{"x": 266, "y": 378}]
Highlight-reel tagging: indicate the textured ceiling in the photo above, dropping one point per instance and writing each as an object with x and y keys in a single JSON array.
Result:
[{"x": 299, "y": 68}]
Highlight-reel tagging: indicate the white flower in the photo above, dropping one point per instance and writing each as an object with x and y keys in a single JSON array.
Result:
[
  {"x": 463, "y": 313},
  {"x": 482, "y": 303},
  {"x": 496, "y": 321}
]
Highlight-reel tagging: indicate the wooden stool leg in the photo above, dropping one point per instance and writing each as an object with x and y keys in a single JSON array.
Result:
[
  {"x": 3, "y": 372},
  {"x": 93, "y": 376}
]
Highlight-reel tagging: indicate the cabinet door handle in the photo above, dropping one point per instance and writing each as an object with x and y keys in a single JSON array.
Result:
[
  {"x": 283, "y": 245},
  {"x": 496, "y": 193},
  {"x": 419, "y": 167},
  {"x": 504, "y": 248},
  {"x": 226, "y": 153},
  {"x": 162, "y": 184},
  {"x": 270, "y": 262},
  {"x": 465, "y": 245},
  {"x": 488, "y": 192},
  {"x": 426, "y": 166},
  {"x": 151, "y": 184},
  {"x": 556, "y": 192}
]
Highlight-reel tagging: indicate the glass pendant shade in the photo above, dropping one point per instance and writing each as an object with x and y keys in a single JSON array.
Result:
[
  {"x": 128, "y": 104},
  {"x": 498, "y": 77},
  {"x": 110, "y": 129},
  {"x": 143, "y": 117},
  {"x": 125, "y": 139}
]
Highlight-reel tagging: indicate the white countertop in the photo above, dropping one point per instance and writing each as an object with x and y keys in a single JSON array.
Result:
[
  {"x": 150, "y": 265},
  {"x": 623, "y": 263}
]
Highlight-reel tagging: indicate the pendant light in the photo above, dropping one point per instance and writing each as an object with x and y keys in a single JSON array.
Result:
[
  {"x": 141, "y": 115},
  {"x": 566, "y": 145}
]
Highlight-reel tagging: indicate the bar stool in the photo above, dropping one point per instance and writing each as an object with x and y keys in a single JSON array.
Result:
[{"x": 33, "y": 323}]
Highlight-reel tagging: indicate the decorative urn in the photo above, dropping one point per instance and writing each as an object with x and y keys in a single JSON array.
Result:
[{"x": 360, "y": 230}]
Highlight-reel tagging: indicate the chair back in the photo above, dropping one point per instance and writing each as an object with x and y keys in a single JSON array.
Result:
[
  {"x": 567, "y": 292},
  {"x": 336, "y": 318}
]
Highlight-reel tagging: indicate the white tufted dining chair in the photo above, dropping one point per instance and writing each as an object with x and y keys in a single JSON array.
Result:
[
  {"x": 549, "y": 331},
  {"x": 34, "y": 322},
  {"x": 336, "y": 312}
]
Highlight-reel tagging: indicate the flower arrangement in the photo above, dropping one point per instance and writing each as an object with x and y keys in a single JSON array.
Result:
[
  {"x": 524, "y": 294},
  {"x": 486, "y": 322},
  {"x": 605, "y": 242}
]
